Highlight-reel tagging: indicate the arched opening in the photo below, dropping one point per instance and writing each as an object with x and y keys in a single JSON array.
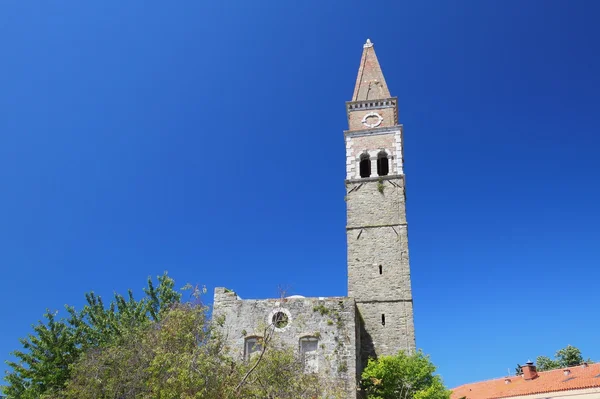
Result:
[
  {"x": 383, "y": 164},
  {"x": 365, "y": 165}
]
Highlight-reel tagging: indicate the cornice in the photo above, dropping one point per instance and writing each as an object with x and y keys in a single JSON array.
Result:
[
  {"x": 374, "y": 178},
  {"x": 364, "y": 105},
  {"x": 371, "y": 104},
  {"x": 373, "y": 131}
]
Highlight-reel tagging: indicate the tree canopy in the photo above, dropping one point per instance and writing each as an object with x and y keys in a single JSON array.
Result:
[
  {"x": 43, "y": 366},
  {"x": 155, "y": 347},
  {"x": 403, "y": 376},
  {"x": 568, "y": 356}
]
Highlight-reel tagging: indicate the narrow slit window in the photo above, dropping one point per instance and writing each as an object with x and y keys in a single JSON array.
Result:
[
  {"x": 380, "y": 269},
  {"x": 383, "y": 319},
  {"x": 365, "y": 165},
  {"x": 383, "y": 164}
]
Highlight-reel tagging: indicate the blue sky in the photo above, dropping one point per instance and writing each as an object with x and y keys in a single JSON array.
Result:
[{"x": 205, "y": 138}]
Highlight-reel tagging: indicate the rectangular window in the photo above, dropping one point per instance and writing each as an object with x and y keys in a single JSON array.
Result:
[
  {"x": 309, "y": 351},
  {"x": 252, "y": 346}
]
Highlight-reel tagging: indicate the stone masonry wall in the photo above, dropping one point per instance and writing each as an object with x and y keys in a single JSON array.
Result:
[
  {"x": 397, "y": 334},
  {"x": 331, "y": 320},
  {"x": 379, "y": 246},
  {"x": 378, "y": 264},
  {"x": 367, "y": 206}
]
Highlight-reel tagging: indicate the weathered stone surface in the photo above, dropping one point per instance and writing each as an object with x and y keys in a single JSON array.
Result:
[
  {"x": 331, "y": 320},
  {"x": 377, "y": 316},
  {"x": 375, "y": 203},
  {"x": 397, "y": 334},
  {"x": 378, "y": 264}
]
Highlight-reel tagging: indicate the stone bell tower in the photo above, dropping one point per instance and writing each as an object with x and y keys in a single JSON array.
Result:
[{"x": 378, "y": 266}]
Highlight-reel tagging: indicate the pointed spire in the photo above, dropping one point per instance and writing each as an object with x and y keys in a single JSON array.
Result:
[{"x": 370, "y": 83}]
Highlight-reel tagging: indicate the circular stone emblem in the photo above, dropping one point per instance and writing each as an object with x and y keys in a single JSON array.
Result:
[
  {"x": 280, "y": 319},
  {"x": 372, "y": 119}
]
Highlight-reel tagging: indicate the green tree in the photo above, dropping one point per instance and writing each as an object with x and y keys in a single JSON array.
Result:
[
  {"x": 518, "y": 369},
  {"x": 155, "y": 347},
  {"x": 42, "y": 367},
  {"x": 568, "y": 356},
  {"x": 403, "y": 376},
  {"x": 280, "y": 374},
  {"x": 99, "y": 325},
  {"x": 544, "y": 363},
  {"x": 188, "y": 359},
  {"x": 161, "y": 360},
  {"x": 109, "y": 372},
  {"x": 182, "y": 357}
]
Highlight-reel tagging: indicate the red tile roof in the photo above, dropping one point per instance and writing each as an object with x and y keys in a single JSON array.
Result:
[{"x": 547, "y": 381}]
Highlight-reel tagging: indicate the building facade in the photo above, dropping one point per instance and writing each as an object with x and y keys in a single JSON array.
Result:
[{"x": 337, "y": 335}]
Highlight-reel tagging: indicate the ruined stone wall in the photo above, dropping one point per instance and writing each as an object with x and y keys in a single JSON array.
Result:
[{"x": 331, "y": 320}]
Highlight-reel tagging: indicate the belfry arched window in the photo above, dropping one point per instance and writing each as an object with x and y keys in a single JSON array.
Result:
[
  {"x": 365, "y": 165},
  {"x": 383, "y": 164}
]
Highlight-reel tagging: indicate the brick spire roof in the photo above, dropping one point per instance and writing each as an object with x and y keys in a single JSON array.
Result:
[{"x": 370, "y": 83}]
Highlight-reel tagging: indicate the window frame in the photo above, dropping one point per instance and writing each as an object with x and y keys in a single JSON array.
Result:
[
  {"x": 311, "y": 362},
  {"x": 256, "y": 342}
]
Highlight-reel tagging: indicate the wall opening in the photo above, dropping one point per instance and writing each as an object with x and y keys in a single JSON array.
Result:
[
  {"x": 380, "y": 269},
  {"x": 252, "y": 345},
  {"x": 383, "y": 319},
  {"x": 383, "y": 164},
  {"x": 309, "y": 353},
  {"x": 365, "y": 165},
  {"x": 280, "y": 320}
]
